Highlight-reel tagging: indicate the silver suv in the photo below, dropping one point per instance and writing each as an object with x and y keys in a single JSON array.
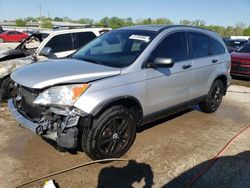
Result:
[{"x": 121, "y": 80}]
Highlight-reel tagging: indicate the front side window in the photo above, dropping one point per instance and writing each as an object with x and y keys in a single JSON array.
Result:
[
  {"x": 200, "y": 44},
  {"x": 61, "y": 43},
  {"x": 217, "y": 48},
  {"x": 118, "y": 48},
  {"x": 174, "y": 46},
  {"x": 244, "y": 49}
]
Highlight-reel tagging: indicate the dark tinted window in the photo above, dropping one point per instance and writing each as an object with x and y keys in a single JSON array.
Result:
[
  {"x": 245, "y": 48},
  {"x": 84, "y": 37},
  {"x": 61, "y": 43},
  {"x": 217, "y": 48},
  {"x": 11, "y": 32},
  {"x": 173, "y": 46},
  {"x": 200, "y": 45}
]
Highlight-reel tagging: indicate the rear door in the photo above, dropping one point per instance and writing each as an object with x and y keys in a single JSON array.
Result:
[
  {"x": 167, "y": 87},
  {"x": 203, "y": 66}
]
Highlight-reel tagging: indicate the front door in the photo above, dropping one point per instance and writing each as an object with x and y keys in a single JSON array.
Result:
[{"x": 168, "y": 87}]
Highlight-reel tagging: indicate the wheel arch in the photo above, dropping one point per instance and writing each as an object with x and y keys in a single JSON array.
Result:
[
  {"x": 224, "y": 80},
  {"x": 132, "y": 103}
]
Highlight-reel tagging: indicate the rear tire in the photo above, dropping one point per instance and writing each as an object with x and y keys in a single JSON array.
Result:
[
  {"x": 111, "y": 134},
  {"x": 214, "y": 98}
]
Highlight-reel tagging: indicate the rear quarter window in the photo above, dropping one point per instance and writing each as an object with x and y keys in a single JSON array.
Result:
[{"x": 217, "y": 47}]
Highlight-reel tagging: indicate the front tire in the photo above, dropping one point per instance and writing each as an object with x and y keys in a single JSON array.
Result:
[
  {"x": 7, "y": 89},
  {"x": 111, "y": 134},
  {"x": 214, "y": 98}
]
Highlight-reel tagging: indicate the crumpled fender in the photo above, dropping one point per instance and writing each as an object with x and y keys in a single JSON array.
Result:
[{"x": 8, "y": 66}]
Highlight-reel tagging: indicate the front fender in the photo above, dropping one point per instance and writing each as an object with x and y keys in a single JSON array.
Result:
[{"x": 8, "y": 66}]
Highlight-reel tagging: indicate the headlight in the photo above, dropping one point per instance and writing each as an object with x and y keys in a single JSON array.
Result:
[{"x": 61, "y": 95}]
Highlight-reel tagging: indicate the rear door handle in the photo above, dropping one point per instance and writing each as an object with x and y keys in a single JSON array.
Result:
[
  {"x": 186, "y": 66},
  {"x": 214, "y": 60}
]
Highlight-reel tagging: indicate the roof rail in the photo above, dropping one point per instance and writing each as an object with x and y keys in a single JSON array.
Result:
[{"x": 75, "y": 27}]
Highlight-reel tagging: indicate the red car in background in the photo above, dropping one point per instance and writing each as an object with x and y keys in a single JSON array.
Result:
[
  {"x": 13, "y": 36},
  {"x": 241, "y": 61}
]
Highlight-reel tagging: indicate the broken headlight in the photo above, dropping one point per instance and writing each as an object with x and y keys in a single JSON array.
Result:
[{"x": 61, "y": 95}]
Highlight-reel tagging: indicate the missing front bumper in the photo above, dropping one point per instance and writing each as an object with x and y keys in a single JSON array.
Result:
[
  {"x": 24, "y": 122},
  {"x": 63, "y": 129}
]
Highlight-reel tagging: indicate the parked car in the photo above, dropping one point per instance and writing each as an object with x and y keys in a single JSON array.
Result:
[
  {"x": 1, "y": 29},
  {"x": 121, "y": 80},
  {"x": 13, "y": 36},
  {"x": 241, "y": 61},
  {"x": 41, "y": 46},
  {"x": 234, "y": 44}
]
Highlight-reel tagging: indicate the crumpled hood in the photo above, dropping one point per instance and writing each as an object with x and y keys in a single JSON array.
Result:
[
  {"x": 7, "y": 54},
  {"x": 52, "y": 72}
]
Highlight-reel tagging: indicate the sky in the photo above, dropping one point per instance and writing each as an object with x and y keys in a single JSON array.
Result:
[{"x": 213, "y": 12}]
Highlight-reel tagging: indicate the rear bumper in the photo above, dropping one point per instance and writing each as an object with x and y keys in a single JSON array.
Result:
[{"x": 24, "y": 122}]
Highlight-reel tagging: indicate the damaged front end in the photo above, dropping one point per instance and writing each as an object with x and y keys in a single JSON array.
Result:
[{"x": 51, "y": 122}]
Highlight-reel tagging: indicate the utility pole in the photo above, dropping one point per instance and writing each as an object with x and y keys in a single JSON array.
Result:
[
  {"x": 40, "y": 11},
  {"x": 40, "y": 15}
]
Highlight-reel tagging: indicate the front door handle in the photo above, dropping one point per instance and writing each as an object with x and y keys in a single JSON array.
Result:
[
  {"x": 186, "y": 66},
  {"x": 214, "y": 60}
]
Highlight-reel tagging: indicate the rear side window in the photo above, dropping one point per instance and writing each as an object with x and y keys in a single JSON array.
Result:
[
  {"x": 174, "y": 46},
  {"x": 217, "y": 47},
  {"x": 61, "y": 43},
  {"x": 200, "y": 45},
  {"x": 84, "y": 37}
]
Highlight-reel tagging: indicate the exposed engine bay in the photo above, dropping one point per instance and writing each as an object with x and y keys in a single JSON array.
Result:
[
  {"x": 24, "y": 53},
  {"x": 61, "y": 125}
]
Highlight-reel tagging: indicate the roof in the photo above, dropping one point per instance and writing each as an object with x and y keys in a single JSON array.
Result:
[
  {"x": 159, "y": 28},
  {"x": 147, "y": 27},
  {"x": 73, "y": 30}
]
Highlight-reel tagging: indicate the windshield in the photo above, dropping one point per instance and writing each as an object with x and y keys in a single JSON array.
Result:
[
  {"x": 245, "y": 48},
  {"x": 236, "y": 44},
  {"x": 32, "y": 42},
  {"x": 118, "y": 48}
]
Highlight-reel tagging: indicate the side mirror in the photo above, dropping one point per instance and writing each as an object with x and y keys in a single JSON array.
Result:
[
  {"x": 46, "y": 51},
  {"x": 161, "y": 62}
]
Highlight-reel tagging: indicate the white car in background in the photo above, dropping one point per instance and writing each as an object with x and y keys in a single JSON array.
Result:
[{"x": 39, "y": 47}]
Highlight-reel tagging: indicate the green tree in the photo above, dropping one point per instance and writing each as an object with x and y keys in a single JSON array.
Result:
[
  {"x": 185, "y": 22},
  {"x": 104, "y": 22},
  {"x": 30, "y": 19},
  {"x": 85, "y": 21},
  {"x": 164, "y": 21},
  {"x": 229, "y": 31},
  {"x": 246, "y": 31},
  {"x": 58, "y": 19},
  {"x": 238, "y": 29},
  {"x": 116, "y": 22},
  {"x": 20, "y": 23},
  {"x": 46, "y": 23},
  {"x": 128, "y": 21},
  {"x": 198, "y": 23}
]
